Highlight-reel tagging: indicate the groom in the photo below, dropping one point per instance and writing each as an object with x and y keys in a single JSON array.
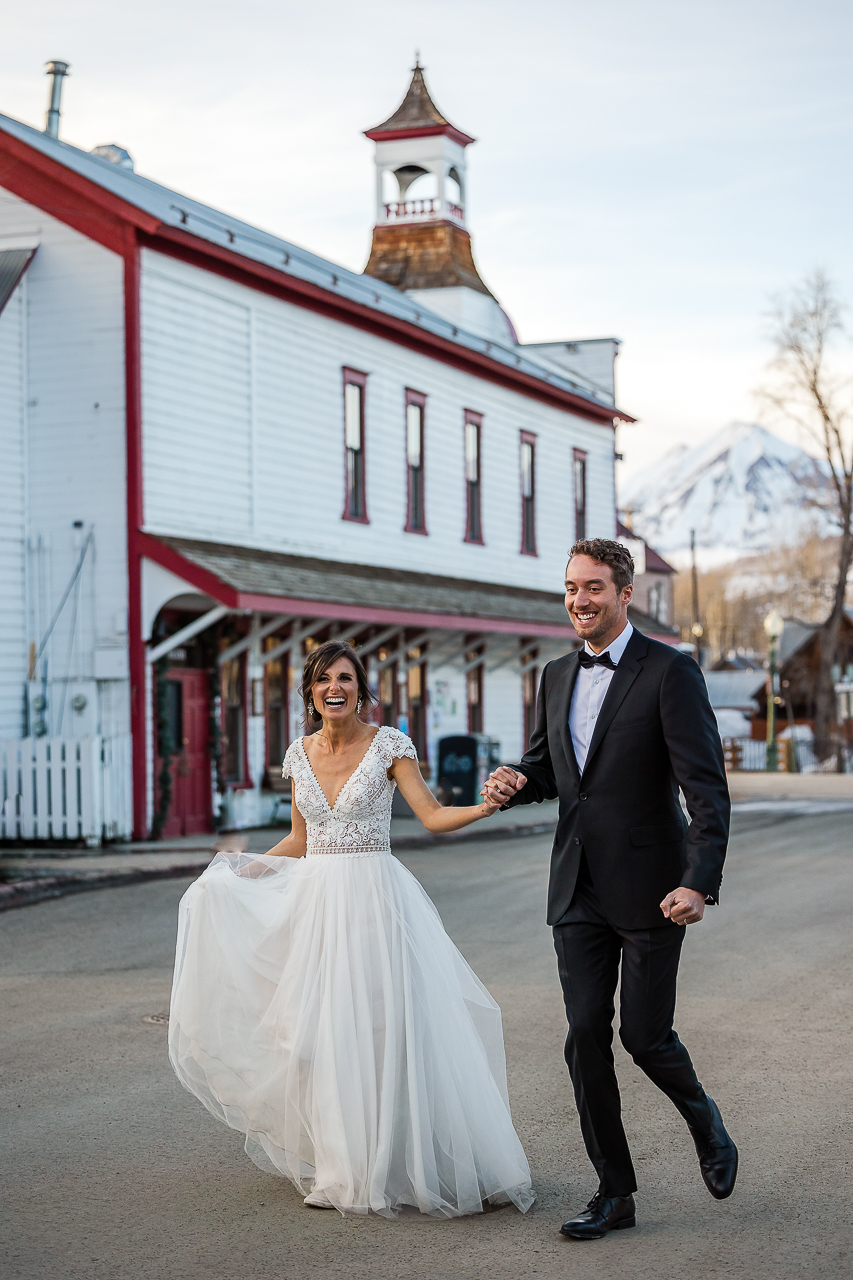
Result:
[{"x": 623, "y": 723}]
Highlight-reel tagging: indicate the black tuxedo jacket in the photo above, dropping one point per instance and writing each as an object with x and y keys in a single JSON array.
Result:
[{"x": 656, "y": 732}]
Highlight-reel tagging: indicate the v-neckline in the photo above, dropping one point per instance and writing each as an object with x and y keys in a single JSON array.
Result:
[{"x": 345, "y": 784}]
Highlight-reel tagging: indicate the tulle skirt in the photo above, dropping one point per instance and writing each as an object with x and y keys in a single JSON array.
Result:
[{"x": 320, "y": 1008}]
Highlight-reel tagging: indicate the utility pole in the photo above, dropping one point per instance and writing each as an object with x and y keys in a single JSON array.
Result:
[{"x": 697, "y": 629}]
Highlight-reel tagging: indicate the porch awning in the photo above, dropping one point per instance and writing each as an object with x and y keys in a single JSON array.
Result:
[{"x": 248, "y": 578}]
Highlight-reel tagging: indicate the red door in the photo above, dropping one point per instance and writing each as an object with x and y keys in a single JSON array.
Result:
[{"x": 188, "y": 711}]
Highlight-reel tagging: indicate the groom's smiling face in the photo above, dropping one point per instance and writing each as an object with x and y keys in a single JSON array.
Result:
[{"x": 598, "y": 610}]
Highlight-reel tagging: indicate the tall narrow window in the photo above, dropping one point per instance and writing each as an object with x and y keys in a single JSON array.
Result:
[
  {"x": 355, "y": 503},
  {"x": 474, "y": 688},
  {"x": 473, "y": 523},
  {"x": 233, "y": 680},
  {"x": 277, "y": 672},
  {"x": 529, "y": 685},
  {"x": 417, "y": 700},
  {"x": 579, "y": 472},
  {"x": 528, "y": 494},
  {"x": 415, "y": 507}
]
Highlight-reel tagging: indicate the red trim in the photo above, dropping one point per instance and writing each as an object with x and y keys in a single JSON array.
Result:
[
  {"x": 475, "y": 420},
  {"x": 134, "y": 505},
  {"x": 418, "y": 398},
  {"x": 355, "y": 378},
  {"x": 68, "y": 196},
  {"x": 184, "y": 246},
  {"x": 428, "y": 131},
  {"x": 210, "y": 585},
  {"x": 104, "y": 217},
  {"x": 207, "y": 583}
]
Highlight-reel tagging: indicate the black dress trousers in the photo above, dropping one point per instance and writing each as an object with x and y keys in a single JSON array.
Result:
[{"x": 589, "y": 949}]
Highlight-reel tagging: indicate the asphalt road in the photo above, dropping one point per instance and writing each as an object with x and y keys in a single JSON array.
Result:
[{"x": 111, "y": 1171}]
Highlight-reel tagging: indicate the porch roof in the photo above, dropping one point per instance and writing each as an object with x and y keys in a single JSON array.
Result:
[{"x": 249, "y": 578}]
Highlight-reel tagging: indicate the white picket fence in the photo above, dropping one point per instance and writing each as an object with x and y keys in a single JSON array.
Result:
[{"x": 66, "y": 789}]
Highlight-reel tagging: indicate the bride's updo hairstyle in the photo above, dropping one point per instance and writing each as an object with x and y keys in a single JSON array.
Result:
[{"x": 319, "y": 662}]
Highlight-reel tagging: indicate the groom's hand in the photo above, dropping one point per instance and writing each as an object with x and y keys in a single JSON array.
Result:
[
  {"x": 503, "y": 784},
  {"x": 684, "y": 906}
]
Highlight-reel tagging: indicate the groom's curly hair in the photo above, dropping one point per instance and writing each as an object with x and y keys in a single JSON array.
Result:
[{"x": 618, "y": 559}]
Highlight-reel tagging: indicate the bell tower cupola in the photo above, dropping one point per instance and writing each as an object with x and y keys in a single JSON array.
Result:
[{"x": 421, "y": 244}]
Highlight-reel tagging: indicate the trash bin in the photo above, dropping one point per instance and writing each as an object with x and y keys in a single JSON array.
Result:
[{"x": 464, "y": 763}]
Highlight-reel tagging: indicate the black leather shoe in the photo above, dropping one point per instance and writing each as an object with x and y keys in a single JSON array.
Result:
[
  {"x": 602, "y": 1214},
  {"x": 718, "y": 1156}
]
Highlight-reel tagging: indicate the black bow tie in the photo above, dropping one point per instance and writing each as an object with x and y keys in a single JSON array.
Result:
[{"x": 588, "y": 660}]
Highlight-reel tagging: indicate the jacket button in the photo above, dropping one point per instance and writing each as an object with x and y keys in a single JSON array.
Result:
[
  {"x": 582, "y": 796},
  {"x": 577, "y": 840}
]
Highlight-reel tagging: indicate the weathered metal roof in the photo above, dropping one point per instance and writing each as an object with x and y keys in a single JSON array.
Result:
[
  {"x": 172, "y": 209},
  {"x": 276, "y": 574},
  {"x": 416, "y": 111},
  {"x": 13, "y": 264},
  {"x": 733, "y": 689}
]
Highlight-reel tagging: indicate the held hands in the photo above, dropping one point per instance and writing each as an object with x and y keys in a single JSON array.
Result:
[
  {"x": 684, "y": 906},
  {"x": 502, "y": 785}
]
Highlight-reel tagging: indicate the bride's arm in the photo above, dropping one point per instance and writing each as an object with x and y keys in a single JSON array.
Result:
[
  {"x": 294, "y": 845},
  {"x": 424, "y": 805}
]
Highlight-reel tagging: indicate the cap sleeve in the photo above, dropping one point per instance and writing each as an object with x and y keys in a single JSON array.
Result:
[
  {"x": 289, "y": 764},
  {"x": 395, "y": 745}
]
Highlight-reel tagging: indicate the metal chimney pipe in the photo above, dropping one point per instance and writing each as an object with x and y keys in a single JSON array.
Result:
[{"x": 57, "y": 70}]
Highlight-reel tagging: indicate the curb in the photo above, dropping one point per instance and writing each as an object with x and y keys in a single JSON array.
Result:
[{"x": 28, "y": 893}]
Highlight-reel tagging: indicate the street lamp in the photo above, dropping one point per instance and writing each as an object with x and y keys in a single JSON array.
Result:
[{"x": 774, "y": 624}]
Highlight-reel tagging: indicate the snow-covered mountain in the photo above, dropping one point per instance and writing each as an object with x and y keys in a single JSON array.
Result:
[{"x": 743, "y": 490}]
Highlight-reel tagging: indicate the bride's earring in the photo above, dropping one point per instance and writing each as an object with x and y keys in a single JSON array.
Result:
[{"x": 358, "y": 705}]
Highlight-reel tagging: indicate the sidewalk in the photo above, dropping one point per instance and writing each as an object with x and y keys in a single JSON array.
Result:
[{"x": 28, "y": 876}]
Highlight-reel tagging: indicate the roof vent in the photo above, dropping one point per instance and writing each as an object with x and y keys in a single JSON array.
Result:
[
  {"x": 57, "y": 71},
  {"x": 115, "y": 154}
]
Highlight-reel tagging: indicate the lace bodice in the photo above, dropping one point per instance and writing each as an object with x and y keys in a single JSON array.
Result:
[{"x": 359, "y": 823}]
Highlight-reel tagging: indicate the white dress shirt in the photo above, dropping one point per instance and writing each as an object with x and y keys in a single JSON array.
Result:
[{"x": 588, "y": 695}]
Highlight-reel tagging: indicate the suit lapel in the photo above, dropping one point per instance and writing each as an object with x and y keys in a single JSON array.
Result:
[
  {"x": 564, "y": 706},
  {"x": 627, "y": 670}
]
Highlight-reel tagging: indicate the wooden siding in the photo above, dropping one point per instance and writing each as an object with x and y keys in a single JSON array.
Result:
[
  {"x": 196, "y": 405},
  {"x": 243, "y": 439},
  {"x": 13, "y": 656},
  {"x": 73, "y": 324}
]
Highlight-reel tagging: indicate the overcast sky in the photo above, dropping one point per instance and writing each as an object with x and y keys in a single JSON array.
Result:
[{"x": 649, "y": 169}]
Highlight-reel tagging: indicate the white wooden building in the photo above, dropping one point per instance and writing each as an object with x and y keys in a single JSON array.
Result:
[{"x": 219, "y": 449}]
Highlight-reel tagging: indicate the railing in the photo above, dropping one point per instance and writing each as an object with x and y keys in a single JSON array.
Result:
[
  {"x": 794, "y": 755},
  {"x": 66, "y": 789},
  {"x": 429, "y": 207}
]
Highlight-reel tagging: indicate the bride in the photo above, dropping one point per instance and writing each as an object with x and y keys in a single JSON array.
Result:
[{"x": 319, "y": 1007}]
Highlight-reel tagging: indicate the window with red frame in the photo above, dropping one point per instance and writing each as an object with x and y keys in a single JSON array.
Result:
[
  {"x": 416, "y": 698},
  {"x": 528, "y": 493},
  {"x": 473, "y": 522},
  {"x": 579, "y": 477},
  {"x": 415, "y": 501},
  {"x": 277, "y": 673},
  {"x": 233, "y": 684},
  {"x": 474, "y": 689},
  {"x": 355, "y": 502},
  {"x": 529, "y": 685}
]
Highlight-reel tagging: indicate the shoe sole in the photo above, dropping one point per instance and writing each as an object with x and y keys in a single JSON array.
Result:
[{"x": 618, "y": 1226}]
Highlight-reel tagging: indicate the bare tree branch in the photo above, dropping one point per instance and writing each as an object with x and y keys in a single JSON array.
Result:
[{"x": 809, "y": 390}]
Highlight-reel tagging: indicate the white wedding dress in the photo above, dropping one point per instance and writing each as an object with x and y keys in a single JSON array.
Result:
[{"x": 320, "y": 1008}]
